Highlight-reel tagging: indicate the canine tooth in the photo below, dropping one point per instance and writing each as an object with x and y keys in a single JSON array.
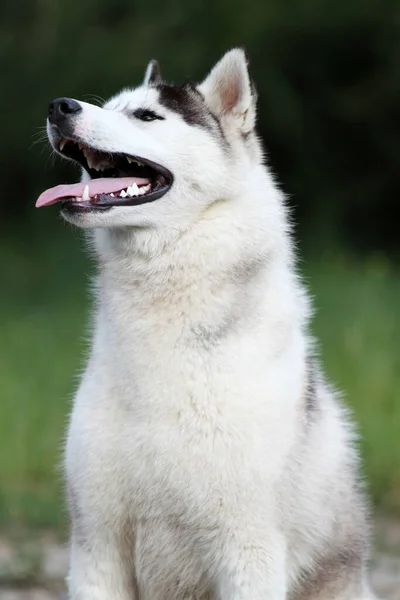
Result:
[
  {"x": 133, "y": 160},
  {"x": 62, "y": 144},
  {"x": 123, "y": 194},
  {"x": 96, "y": 165},
  {"x": 135, "y": 189},
  {"x": 85, "y": 195}
]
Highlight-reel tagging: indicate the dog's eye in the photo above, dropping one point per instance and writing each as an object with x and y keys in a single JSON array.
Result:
[{"x": 146, "y": 115}]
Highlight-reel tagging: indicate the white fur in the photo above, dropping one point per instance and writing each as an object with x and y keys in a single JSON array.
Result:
[{"x": 194, "y": 468}]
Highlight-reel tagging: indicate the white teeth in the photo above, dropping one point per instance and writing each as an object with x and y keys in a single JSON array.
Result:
[
  {"x": 62, "y": 144},
  {"x": 85, "y": 195},
  {"x": 144, "y": 189},
  {"x": 134, "y": 190},
  {"x": 112, "y": 195},
  {"x": 78, "y": 199},
  {"x": 123, "y": 194},
  {"x": 91, "y": 162},
  {"x": 133, "y": 160}
]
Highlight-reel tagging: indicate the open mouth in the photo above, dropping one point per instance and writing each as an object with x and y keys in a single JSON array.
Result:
[{"x": 116, "y": 180}]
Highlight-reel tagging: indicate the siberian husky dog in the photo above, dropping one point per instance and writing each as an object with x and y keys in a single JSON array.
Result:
[{"x": 207, "y": 457}]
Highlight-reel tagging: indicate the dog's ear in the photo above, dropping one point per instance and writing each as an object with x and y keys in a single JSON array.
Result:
[
  {"x": 153, "y": 74},
  {"x": 229, "y": 91}
]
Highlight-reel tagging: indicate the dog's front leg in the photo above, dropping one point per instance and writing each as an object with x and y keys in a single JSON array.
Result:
[
  {"x": 254, "y": 570},
  {"x": 100, "y": 569}
]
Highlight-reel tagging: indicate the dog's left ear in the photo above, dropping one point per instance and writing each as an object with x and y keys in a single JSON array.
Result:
[
  {"x": 228, "y": 90},
  {"x": 153, "y": 74}
]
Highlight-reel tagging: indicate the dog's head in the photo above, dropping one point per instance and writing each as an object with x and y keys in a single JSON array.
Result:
[{"x": 158, "y": 154}]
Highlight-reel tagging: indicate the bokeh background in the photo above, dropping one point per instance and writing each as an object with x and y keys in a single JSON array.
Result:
[{"x": 328, "y": 77}]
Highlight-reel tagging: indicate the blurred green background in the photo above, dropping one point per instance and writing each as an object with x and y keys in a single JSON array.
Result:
[{"x": 328, "y": 77}]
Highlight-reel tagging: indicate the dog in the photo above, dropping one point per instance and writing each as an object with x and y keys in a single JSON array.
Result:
[{"x": 207, "y": 456}]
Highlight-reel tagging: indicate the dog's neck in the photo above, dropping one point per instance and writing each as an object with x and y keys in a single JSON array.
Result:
[
  {"x": 235, "y": 251},
  {"x": 230, "y": 272},
  {"x": 226, "y": 237}
]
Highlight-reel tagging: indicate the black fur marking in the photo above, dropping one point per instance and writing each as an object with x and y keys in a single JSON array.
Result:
[
  {"x": 187, "y": 102},
  {"x": 311, "y": 389},
  {"x": 75, "y": 512},
  {"x": 245, "y": 135},
  {"x": 335, "y": 573},
  {"x": 210, "y": 336},
  {"x": 245, "y": 271},
  {"x": 213, "y": 117}
]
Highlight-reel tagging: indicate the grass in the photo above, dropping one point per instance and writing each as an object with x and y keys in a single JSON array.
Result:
[
  {"x": 43, "y": 313},
  {"x": 358, "y": 324},
  {"x": 43, "y": 310}
]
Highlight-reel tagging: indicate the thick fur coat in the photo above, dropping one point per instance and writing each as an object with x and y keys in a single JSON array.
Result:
[{"x": 207, "y": 457}]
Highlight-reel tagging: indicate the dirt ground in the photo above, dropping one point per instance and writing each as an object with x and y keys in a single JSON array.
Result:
[{"x": 35, "y": 569}]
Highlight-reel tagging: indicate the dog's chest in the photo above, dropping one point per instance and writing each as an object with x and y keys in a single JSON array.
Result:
[
  {"x": 169, "y": 437},
  {"x": 168, "y": 415}
]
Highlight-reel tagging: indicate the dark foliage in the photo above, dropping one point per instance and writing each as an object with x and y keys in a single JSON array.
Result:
[{"x": 328, "y": 77}]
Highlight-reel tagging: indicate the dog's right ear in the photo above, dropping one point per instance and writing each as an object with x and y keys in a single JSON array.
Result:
[{"x": 153, "y": 74}]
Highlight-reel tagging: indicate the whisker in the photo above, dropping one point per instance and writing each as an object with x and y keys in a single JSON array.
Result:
[
  {"x": 95, "y": 99},
  {"x": 52, "y": 157},
  {"x": 42, "y": 140},
  {"x": 41, "y": 133}
]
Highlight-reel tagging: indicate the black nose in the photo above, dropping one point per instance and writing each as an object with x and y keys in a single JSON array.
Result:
[{"x": 62, "y": 108}]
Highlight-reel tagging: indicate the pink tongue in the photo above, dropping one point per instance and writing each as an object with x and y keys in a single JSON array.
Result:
[{"x": 96, "y": 186}]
